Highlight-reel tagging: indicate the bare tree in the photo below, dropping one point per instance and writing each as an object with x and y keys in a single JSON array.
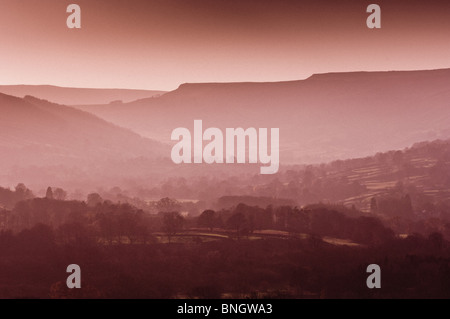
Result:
[{"x": 172, "y": 223}]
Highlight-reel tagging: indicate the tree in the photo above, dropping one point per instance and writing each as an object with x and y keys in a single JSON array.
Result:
[
  {"x": 167, "y": 205},
  {"x": 108, "y": 229},
  {"x": 74, "y": 234},
  {"x": 94, "y": 199},
  {"x": 60, "y": 194},
  {"x": 49, "y": 194},
  {"x": 23, "y": 193},
  {"x": 144, "y": 235},
  {"x": 207, "y": 219},
  {"x": 129, "y": 222},
  {"x": 172, "y": 223},
  {"x": 237, "y": 222}
]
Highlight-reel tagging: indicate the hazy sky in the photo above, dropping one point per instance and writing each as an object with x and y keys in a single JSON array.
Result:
[{"x": 153, "y": 44}]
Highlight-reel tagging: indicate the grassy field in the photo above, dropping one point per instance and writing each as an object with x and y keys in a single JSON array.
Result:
[{"x": 196, "y": 236}]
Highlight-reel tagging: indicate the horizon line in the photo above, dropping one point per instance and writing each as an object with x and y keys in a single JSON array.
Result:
[{"x": 222, "y": 82}]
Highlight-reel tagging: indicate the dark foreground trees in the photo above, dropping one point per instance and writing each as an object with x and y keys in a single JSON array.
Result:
[
  {"x": 123, "y": 253},
  {"x": 33, "y": 263}
]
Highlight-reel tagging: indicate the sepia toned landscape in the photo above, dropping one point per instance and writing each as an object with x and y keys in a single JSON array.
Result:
[
  {"x": 141, "y": 226},
  {"x": 87, "y": 177}
]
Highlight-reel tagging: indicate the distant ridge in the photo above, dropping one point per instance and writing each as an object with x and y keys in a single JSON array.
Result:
[
  {"x": 77, "y": 96},
  {"x": 322, "y": 118}
]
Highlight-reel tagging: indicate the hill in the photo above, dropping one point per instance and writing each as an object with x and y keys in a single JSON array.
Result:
[
  {"x": 412, "y": 181},
  {"x": 325, "y": 117},
  {"x": 42, "y": 141},
  {"x": 419, "y": 174},
  {"x": 75, "y": 96}
]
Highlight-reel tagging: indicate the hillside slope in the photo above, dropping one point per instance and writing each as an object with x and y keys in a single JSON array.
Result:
[
  {"x": 37, "y": 133},
  {"x": 322, "y": 118}
]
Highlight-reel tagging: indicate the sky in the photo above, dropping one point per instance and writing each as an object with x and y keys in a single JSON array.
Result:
[{"x": 160, "y": 44}]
